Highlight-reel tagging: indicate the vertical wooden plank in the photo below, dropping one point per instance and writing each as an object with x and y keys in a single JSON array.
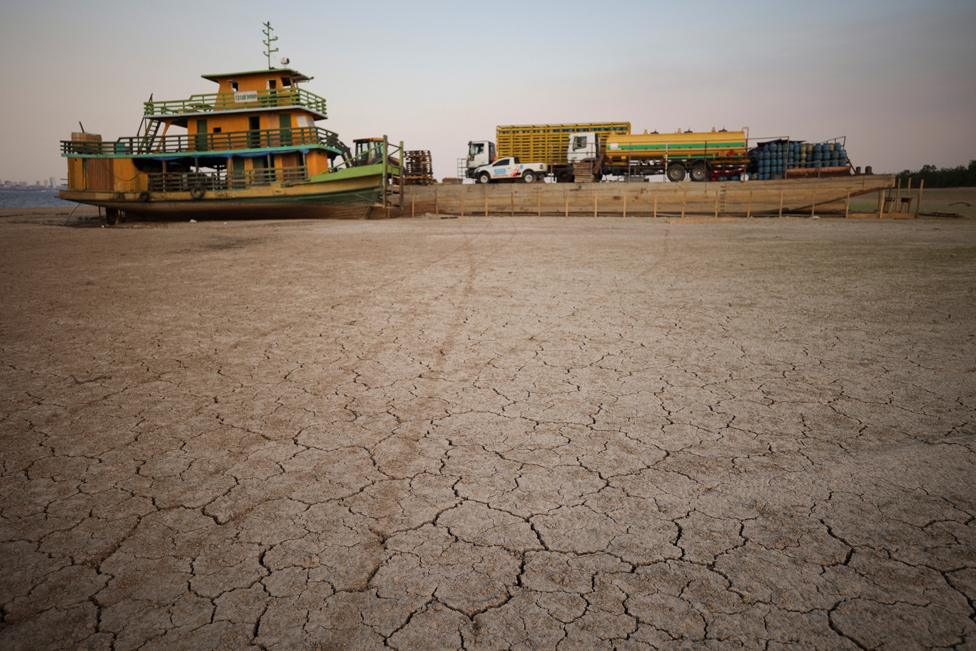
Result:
[
  {"x": 781, "y": 202},
  {"x": 908, "y": 194},
  {"x": 918, "y": 201},
  {"x": 625, "y": 204},
  {"x": 813, "y": 204},
  {"x": 413, "y": 207},
  {"x": 486, "y": 199},
  {"x": 538, "y": 201},
  {"x": 596, "y": 200},
  {"x": 403, "y": 162},
  {"x": 461, "y": 195},
  {"x": 437, "y": 208},
  {"x": 512, "y": 202},
  {"x": 749, "y": 206},
  {"x": 684, "y": 202},
  {"x": 566, "y": 199},
  {"x": 716, "y": 203},
  {"x": 847, "y": 205},
  {"x": 881, "y": 201},
  {"x": 655, "y": 205},
  {"x": 383, "y": 178}
]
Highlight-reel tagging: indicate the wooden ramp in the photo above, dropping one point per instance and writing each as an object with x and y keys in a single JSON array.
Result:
[{"x": 827, "y": 196}]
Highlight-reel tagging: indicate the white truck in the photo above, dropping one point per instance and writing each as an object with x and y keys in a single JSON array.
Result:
[{"x": 481, "y": 166}]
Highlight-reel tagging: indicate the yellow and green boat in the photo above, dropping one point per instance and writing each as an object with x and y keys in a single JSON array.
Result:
[{"x": 250, "y": 149}]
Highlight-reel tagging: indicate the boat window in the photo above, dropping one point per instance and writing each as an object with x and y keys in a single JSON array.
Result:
[
  {"x": 272, "y": 84},
  {"x": 285, "y": 82},
  {"x": 234, "y": 86}
]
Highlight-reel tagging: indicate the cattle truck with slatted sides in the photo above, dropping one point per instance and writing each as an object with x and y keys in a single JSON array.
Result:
[{"x": 532, "y": 144}]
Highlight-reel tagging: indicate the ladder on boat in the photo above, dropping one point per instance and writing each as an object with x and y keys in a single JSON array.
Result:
[{"x": 149, "y": 129}]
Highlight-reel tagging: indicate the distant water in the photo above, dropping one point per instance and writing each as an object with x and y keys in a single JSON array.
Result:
[{"x": 32, "y": 199}]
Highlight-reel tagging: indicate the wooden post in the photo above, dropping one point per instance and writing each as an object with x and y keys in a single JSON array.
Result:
[
  {"x": 538, "y": 201},
  {"x": 437, "y": 209},
  {"x": 781, "y": 202},
  {"x": 413, "y": 207},
  {"x": 486, "y": 199},
  {"x": 512, "y": 204},
  {"x": 918, "y": 201},
  {"x": 847, "y": 205},
  {"x": 655, "y": 205},
  {"x": 566, "y": 198},
  {"x": 897, "y": 191},
  {"x": 908, "y": 193},
  {"x": 813, "y": 204},
  {"x": 684, "y": 202},
  {"x": 595, "y": 203},
  {"x": 625, "y": 204},
  {"x": 403, "y": 162},
  {"x": 716, "y": 205},
  {"x": 461, "y": 198},
  {"x": 386, "y": 152},
  {"x": 749, "y": 206},
  {"x": 881, "y": 200}
]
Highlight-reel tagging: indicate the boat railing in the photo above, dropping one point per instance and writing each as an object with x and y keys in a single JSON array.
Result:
[
  {"x": 220, "y": 180},
  {"x": 255, "y": 99},
  {"x": 205, "y": 142}
]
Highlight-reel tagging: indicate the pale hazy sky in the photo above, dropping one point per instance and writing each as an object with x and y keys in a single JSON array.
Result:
[{"x": 897, "y": 77}]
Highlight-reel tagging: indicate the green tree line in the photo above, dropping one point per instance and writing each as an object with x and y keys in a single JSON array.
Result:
[{"x": 942, "y": 177}]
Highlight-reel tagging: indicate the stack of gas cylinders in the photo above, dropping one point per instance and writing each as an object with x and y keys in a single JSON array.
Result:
[{"x": 770, "y": 160}]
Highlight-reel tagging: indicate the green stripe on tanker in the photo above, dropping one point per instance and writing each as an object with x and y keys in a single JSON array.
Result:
[{"x": 683, "y": 146}]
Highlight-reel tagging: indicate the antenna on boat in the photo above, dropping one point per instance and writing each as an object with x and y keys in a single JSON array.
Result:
[{"x": 268, "y": 40}]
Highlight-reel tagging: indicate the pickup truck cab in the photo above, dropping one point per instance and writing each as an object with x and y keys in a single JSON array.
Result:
[{"x": 510, "y": 169}]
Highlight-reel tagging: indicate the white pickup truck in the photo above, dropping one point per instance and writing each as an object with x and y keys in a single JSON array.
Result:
[{"x": 510, "y": 169}]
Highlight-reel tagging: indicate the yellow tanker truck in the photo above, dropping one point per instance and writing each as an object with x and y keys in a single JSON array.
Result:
[{"x": 704, "y": 155}]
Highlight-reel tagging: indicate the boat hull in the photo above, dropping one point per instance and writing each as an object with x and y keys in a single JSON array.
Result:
[{"x": 348, "y": 198}]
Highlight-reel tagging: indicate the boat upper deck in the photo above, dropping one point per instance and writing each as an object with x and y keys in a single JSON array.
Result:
[
  {"x": 206, "y": 144},
  {"x": 239, "y": 102}
]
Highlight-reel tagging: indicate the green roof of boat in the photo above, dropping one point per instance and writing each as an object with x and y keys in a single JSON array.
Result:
[{"x": 294, "y": 74}]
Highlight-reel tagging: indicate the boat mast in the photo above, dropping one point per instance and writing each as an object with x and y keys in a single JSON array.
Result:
[{"x": 268, "y": 40}]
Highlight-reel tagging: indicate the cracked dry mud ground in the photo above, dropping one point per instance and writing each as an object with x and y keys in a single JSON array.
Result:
[{"x": 490, "y": 434}]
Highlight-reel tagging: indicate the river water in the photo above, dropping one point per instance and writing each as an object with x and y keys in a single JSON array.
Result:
[{"x": 32, "y": 199}]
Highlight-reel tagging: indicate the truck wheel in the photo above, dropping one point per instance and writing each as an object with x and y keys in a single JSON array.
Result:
[
  {"x": 699, "y": 171},
  {"x": 676, "y": 172},
  {"x": 528, "y": 177},
  {"x": 484, "y": 177}
]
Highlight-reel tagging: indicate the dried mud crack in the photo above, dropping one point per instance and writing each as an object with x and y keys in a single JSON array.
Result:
[{"x": 489, "y": 434}]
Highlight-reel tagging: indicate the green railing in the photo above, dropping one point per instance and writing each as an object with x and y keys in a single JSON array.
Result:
[
  {"x": 208, "y": 102},
  {"x": 222, "y": 180},
  {"x": 205, "y": 142}
]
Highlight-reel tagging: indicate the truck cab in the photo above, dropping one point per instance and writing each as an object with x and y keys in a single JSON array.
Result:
[
  {"x": 583, "y": 147},
  {"x": 480, "y": 152}
]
